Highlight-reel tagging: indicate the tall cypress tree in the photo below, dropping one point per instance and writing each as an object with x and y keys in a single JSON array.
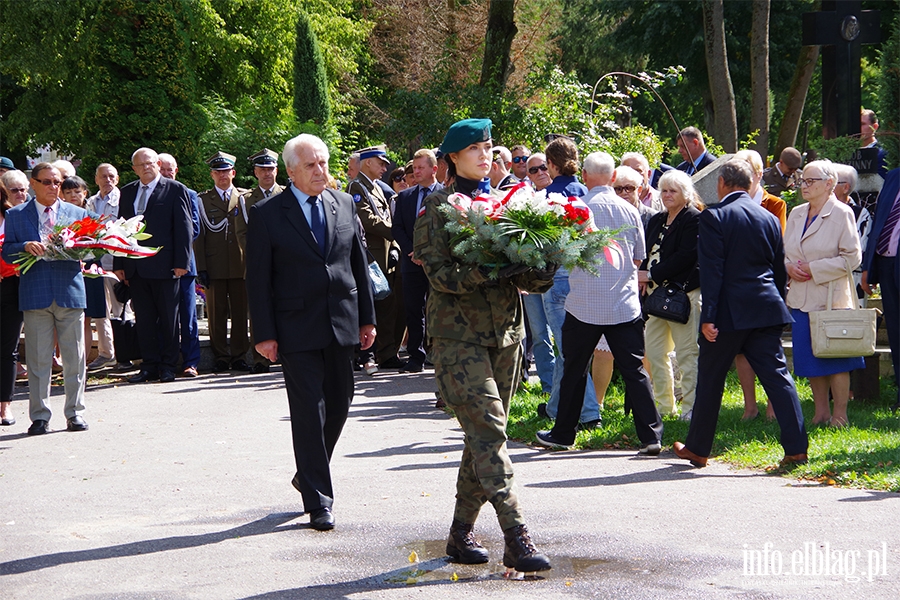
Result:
[{"x": 311, "y": 103}]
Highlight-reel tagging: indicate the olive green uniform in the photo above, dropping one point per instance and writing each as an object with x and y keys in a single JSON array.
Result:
[
  {"x": 240, "y": 230},
  {"x": 477, "y": 327},
  {"x": 221, "y": 256},
  {"x": 374, "y": 212}
]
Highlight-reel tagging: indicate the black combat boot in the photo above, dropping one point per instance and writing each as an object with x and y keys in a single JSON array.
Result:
[
  {"x": 462, "y": 547},
  {"x": 520, "y": 553}
]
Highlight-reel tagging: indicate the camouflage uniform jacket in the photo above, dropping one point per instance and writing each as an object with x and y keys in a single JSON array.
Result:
[{"x": 463, "y": 304}]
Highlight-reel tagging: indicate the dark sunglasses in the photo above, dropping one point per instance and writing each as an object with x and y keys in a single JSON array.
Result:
[
  {"x": 624, "y": 188},
  {"x": 534, "y": 170},
  {"x": 520, "y": 159},
  {"x": 400, "y": 177}
]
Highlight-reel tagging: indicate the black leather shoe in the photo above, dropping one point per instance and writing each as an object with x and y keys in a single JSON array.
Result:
[
  {"x": 76, "y": 423},
  {"x": 166, "y": 376},
  {"x": 412, "y": 367},
  {"x": 39, "y": 427},
  {"x": 260, "y": 368},
  {"x": 143, "y": 376},
  {"x": 220, "y": 366},
  {"x": 392, "y": 363},
  {"x": 8, "y": 421},
  {"x": 322, "y": 519},
  {"x": 240, "y": 365}
]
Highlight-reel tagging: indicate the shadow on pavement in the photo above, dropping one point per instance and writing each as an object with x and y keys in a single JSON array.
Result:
[{"x": 269, "y": 524}]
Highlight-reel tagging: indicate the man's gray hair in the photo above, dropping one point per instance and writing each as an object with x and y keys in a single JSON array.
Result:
[
  {"x": 599, "y": 163},
  {"x": 169, "y": 159},
  {"x": 149, "y": 151},
  {"x": 105, "y": 166},
  {"x": 645, "y": 164},
  {"x": 848, "y": 174},
  {"x": 736, "y": 173},
  {"x": 65, "y": 168},
  {"x": 12, "y": 177},
  {"x": 293, "y": 146}
]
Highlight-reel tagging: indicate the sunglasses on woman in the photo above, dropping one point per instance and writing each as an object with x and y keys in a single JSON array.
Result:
[{"x": 534, "y": 170}]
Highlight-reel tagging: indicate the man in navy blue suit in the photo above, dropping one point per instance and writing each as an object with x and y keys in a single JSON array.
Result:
[
  {"x": 187, "y": 300},
  {"x": 742, "y": 280},
  {"x": 880, "y": 264},
  {"x": 154, "y": 281},
  {"x": 415, "y": 283},
  {"x": 51, "y": 297}
]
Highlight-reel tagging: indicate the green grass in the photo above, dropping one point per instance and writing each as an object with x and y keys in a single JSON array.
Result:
[{"x": 864, "y": 455}]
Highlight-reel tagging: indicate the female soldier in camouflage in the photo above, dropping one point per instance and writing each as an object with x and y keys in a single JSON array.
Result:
[{"x": 476, "y": 326}]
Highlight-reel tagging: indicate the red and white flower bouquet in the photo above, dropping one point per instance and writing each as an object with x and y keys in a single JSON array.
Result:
[
  {"x": 90, "y": 238},
  {"x": 525, "y": 227}
]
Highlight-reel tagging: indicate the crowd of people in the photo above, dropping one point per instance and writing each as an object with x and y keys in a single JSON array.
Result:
[{"x": 288, "y": 267}]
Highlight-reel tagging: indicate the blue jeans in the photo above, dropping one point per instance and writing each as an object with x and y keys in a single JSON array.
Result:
[
  {"x": 555, "y": 310},
  {"x": 544, "y": 358}
]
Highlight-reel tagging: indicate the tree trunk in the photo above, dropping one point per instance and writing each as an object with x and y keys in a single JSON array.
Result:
[
  {"x": 719, "y": 76},
  {"x": 501, "y": 29},
  {"x": 759, "y": 75},
  {"x": 790, "y": 122}
]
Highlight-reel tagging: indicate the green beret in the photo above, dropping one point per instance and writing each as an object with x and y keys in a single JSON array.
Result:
[{"x": 464, "y": 133}]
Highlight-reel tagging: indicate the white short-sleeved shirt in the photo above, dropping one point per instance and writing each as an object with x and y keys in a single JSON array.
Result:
[{"x": 612, "y": 297}]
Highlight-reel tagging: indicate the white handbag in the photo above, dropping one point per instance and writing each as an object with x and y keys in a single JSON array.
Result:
[{"x": 843, "y": 333}]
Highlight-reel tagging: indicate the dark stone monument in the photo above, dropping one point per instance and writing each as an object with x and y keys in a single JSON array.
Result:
[{"x": 841, "y": 28}]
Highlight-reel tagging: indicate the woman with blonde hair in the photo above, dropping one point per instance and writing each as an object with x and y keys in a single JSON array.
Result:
[
  {"x": 821, "y": 245},
  {"x": 672, "y": 259}
]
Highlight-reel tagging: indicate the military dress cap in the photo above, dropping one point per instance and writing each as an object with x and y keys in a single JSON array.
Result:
[
  {"x": 6, "y": 163},
  {"x": 466, "y": 132},
  {"x": 221, "y": 161},
  {"x": 374, "y": 152},
  {"x": 264, "y": 158}
]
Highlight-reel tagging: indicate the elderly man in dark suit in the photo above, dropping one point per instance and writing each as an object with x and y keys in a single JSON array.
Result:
[
  {"x": 154, "y": 281},
  {"x": 880, "y": 263},
  {"x": 311, "y": 303},
  {"x": 51, "y": 298},
  {"x": 742, "y": 281},
  {"x": 415, "y": 283}
]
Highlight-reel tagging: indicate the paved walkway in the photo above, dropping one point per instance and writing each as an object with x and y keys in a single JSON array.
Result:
[{"x": 183, "y": 491}]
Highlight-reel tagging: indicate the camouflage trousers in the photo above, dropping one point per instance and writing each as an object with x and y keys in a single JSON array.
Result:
[{"x": 477, "y": 382}]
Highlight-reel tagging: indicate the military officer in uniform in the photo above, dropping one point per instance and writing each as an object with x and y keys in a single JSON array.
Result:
[
  {"x": 220, "y": 265},
  {"x": 374, "y": 210},
  {"x": 476, "y": 325},
  {"x": 265, "y": 168}
]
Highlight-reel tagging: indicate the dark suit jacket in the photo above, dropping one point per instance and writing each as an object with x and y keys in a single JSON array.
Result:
[
  {"x": 168, "y": 219},
  {"x": 46, "y": 280},
  {"x": 885, "y": 202},
  {"x": 404, "y": 222},
  {"x": 706, "y": 160},
  {"x": 678, "y": 250},
  {"x": 298, "y": 297},
  {"x": 742, "y": 274}
]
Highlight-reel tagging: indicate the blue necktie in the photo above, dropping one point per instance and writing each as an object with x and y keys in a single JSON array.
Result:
[{"x": 316, "y": 223}]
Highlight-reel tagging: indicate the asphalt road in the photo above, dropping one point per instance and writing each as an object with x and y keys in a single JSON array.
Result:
[{"x": 183, "y": 491}]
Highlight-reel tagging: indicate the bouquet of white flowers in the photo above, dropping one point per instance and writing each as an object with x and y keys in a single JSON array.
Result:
[{"x": 525, "y": 227}]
